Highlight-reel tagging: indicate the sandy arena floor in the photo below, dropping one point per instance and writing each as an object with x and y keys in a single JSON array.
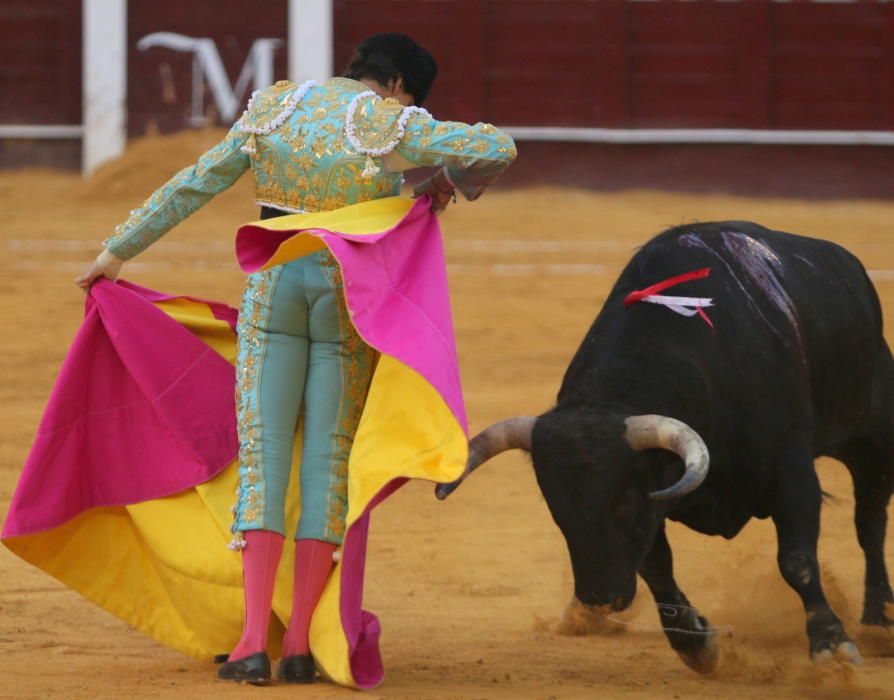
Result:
[{"x": 471, "y": 591}]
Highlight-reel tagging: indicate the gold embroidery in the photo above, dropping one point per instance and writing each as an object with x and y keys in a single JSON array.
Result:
[
  {"x": 257, "y": 297},
  {"x": 318, "y": 147},
  {"x": 357, "y": 362},
  {"x": 305, "y": 162}
]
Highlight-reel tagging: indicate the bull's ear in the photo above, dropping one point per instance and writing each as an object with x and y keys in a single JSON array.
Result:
[
  {"x": 510, "y": 434},
  {"x": 665, "y": 433}
]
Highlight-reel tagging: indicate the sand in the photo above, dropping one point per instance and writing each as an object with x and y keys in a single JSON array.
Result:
[{"x": 471, "y": 591}]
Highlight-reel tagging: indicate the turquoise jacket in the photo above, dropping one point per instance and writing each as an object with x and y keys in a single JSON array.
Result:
[{"x": 320, "y": 147}]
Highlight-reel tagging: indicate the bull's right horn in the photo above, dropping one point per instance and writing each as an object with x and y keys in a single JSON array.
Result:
[
  {"x": 510, "y": 434},
  {"x": 662, "y": 432}
]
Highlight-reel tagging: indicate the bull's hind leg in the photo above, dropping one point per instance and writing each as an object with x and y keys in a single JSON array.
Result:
[
  {"x": 871, "y": 464},
  {"x": 796, "y": 514},
  {"x": 688, "y": 632}
]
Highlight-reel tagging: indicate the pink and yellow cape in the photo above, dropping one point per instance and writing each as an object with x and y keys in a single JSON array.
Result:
[{"x": 126, "y": 495}]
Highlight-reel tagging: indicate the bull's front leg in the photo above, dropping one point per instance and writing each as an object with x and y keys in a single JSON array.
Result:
[
  {"x": 688, "y": 632},
  {"x": 796, "y": 514}
]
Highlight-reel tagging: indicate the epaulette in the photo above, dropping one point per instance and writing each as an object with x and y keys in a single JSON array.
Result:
[
  {"x": 374, "y": 126},
  {"x": 375, "y": 121},
  {"x": 269, "y": 108}
]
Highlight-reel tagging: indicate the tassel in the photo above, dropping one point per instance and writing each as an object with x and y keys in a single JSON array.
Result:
[
  {"x": 238, "y": 543},
  {"x": 371, "y": 168},
  {"x": 251, "y": 145}
]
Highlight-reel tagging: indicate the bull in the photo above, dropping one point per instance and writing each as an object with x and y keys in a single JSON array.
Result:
[{"x": 711, "y": 422}]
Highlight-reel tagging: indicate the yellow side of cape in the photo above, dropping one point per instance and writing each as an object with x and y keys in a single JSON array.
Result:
[
  {"x": 163, "y": 566},
  {"x": 364, "y": 219}
]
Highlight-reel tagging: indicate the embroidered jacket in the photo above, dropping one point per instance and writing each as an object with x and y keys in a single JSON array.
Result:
[{"x": 315, "y": 148}]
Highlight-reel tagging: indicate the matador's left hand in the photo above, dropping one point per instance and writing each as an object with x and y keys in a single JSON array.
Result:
[
  {"x": 106, "y": 265},
  {"x": 439, "y": 188}
]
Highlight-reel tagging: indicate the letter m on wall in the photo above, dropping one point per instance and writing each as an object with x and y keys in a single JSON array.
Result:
[{"x": 208, "y": 70}]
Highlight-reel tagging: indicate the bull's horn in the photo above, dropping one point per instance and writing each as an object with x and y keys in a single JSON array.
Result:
[
  {"x": 649, "y": 432},
  {"x": 510, "y": 434}
]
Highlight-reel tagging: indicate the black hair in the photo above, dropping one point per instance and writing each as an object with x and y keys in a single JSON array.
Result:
[{"x": 387, "y": 57}]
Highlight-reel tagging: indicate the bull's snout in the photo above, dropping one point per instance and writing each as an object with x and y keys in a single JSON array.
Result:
[
  {"x": 608, "y": 596},
  {"x": 621, "y": 603},
  {"x": 615, "y": 603}
]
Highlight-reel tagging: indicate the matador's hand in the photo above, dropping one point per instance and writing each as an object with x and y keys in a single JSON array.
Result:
[
  {"x": 439, "y": 188},
  {"x": 106, "y": 265}
]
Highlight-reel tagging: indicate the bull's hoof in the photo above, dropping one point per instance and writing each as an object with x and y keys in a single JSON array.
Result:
[
  {"x": 829, "y": 641},
  {"x": 846, "y": 652},
  {"x": 691, "y": 636},
  {"x": 703, "y": 660}
]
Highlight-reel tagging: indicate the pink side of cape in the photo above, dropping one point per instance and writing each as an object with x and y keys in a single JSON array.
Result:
[{"x": 132, "y": 379}]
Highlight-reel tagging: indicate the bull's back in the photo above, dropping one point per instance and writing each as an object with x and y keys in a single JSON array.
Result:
[
  {"x": 817, "y": 286},
  {"x": 795, "y": 340}
]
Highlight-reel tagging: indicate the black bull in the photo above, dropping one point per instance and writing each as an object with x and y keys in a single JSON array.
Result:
[{"x": 795, "y": 367}]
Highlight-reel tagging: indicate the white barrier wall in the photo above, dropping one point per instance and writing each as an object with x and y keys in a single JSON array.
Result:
[
  {"x": 104, "y": 81},
  {"x": 310, "y": 40}
]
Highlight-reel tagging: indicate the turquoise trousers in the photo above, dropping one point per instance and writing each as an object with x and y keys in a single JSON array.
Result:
[{"x": 298, "y": 352}]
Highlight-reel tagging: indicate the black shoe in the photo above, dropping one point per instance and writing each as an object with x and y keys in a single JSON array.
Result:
[
  {"x": 254, "y": 669},
  {"x": 297, "y": 669}
]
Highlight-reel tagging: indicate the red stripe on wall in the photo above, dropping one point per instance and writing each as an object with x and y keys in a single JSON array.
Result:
[{"x": 615, "y": 63}]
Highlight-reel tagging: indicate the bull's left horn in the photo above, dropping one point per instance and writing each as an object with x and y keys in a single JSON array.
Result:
[
  {"x": 510, "y": 434},
  {"x": 661, "y": 432}
]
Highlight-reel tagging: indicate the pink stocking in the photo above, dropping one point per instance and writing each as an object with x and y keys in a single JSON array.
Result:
[
  {"x": 313, "y": 562},
  {"x": 260, "y": 559}
]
